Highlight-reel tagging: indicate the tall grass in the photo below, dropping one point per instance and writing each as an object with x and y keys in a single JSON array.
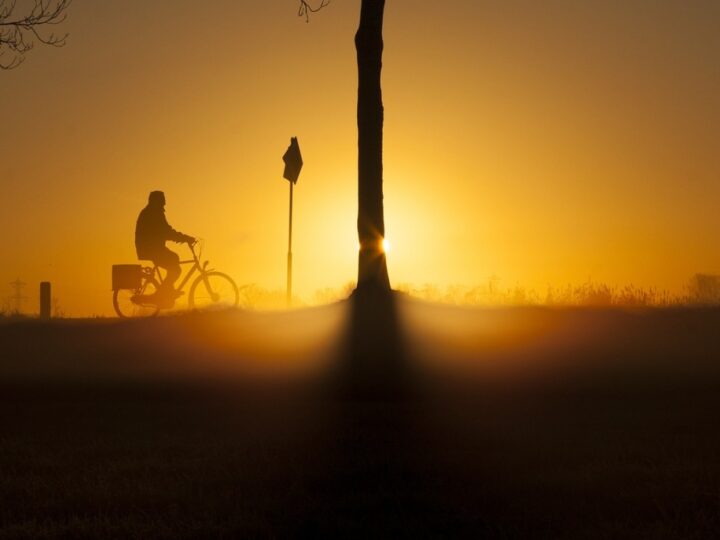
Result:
[{"x": 701, "y": 290}]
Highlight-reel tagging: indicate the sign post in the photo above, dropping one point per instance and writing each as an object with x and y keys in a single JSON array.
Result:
[
  {"x": 293, "y": 165},
  {"x": 45, "y": 311}
]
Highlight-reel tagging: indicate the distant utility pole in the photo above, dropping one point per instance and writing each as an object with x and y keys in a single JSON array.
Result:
[
  {"x": 18, "y": 296},
  {"x": 293, "y": 164}
]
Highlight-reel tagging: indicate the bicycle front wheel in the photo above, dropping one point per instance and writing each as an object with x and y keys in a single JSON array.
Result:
[
  {"x": 213, "y": 290},
  {"x": 129, "y": 303}
]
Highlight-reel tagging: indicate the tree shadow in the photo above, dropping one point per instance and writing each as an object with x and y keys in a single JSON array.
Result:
[
  {"x": 373, "y": 362},
  {"x": 368, "y": 468}
]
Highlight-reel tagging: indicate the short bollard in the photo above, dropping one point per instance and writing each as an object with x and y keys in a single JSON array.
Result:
[{"x": 45, "y": 300}]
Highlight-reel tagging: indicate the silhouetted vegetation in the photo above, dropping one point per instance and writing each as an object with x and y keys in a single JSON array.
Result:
[
  {"x": 701, "y": 290},
  {"x": 306, "y": 8},
  {"x": 20, "y": 31},
  {"x": 8, "y": 316},
  {"x": 704, "y": 289}
]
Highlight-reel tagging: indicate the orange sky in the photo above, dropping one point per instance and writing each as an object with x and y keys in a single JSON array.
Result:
[{"x": 546, "y": 143}]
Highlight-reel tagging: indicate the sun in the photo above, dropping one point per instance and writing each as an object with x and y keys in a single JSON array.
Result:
[{"x": 386, "y": 247}]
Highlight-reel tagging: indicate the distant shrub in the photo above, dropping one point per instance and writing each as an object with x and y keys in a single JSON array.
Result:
[{"x": 704, "y": 289}]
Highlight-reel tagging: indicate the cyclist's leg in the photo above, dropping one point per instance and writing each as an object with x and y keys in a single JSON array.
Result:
[{"x": 170, "y": 262}]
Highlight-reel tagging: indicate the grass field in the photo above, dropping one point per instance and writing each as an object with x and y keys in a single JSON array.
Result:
[{"x": 522, "y": 423}]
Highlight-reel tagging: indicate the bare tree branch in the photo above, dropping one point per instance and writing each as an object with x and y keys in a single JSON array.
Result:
[
  {"x": 306, "y": 8},
  {"x": 18, "y": 34}
]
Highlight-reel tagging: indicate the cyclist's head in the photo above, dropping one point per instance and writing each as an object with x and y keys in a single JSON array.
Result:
[{"x": 156, "y": 198}]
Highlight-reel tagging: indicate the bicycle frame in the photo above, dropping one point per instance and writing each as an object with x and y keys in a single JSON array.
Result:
[
  {"x": 218, "y": 290},
  {"x": 196, "y": 266}
]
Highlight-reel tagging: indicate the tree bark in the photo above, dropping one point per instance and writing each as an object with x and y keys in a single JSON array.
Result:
[{"x": 372, "y": 265}]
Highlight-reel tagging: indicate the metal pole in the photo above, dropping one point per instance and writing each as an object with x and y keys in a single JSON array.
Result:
[
  {"x": 289, "y": 256},
  {"x": 45, "y": 300}
]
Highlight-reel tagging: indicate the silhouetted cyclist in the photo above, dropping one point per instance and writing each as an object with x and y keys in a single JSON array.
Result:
[{"x": 151, "y": 232}]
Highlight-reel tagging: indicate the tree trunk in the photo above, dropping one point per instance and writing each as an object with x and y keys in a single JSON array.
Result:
[{"x": 372, "y": 266}]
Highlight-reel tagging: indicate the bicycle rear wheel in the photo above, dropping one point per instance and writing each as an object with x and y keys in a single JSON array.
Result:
[
  {"x": 127, "y": 305},
  {"x": 213, "y": 290}
]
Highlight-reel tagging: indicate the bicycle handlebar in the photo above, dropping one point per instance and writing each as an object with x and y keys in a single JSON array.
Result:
[{"x": 195, "y": 242}]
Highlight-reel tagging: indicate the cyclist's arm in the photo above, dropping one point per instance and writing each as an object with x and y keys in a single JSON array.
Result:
[{"x": 173, "y": 235}]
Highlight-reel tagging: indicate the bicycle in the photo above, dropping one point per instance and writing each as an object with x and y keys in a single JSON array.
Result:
[{"x": 134, "y": 288}]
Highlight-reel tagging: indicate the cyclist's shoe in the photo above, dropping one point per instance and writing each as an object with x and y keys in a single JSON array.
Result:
[
  {"x": 143, "y": 299},
  {"x": 164, "y": 299}
]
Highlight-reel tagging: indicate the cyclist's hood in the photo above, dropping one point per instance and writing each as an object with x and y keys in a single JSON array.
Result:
[{"x": 157, "y": 199}]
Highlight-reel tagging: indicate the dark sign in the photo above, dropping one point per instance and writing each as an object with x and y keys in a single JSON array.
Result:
[{"x": 293, "y": 161}]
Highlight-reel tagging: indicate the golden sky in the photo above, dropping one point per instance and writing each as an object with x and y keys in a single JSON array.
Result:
[{"x": 545, "y": 143}]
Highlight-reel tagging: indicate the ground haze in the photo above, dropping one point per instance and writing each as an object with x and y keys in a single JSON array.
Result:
[{"x": 543, "y": 423}]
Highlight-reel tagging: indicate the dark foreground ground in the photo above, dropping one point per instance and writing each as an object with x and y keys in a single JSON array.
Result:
[{"x": 522, "y": 423}]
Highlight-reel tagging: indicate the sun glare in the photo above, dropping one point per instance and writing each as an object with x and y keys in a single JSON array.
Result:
[{"x": 386, "y": 247}]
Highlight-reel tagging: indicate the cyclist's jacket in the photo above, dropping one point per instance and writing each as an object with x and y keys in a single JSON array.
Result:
[{"x": 152, "y": 231}]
